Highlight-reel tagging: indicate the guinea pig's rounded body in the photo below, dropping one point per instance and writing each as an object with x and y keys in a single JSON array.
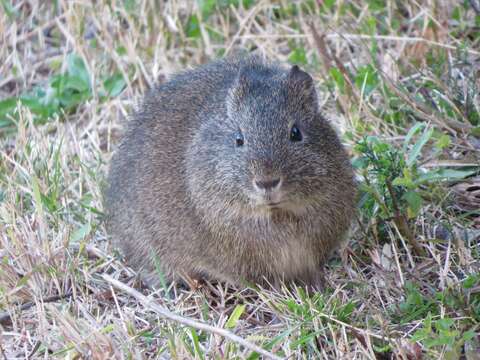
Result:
[{"x": 229, "y": 172}]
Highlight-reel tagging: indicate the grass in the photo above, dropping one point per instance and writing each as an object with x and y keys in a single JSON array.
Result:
[{"x": 398, "y": 79}]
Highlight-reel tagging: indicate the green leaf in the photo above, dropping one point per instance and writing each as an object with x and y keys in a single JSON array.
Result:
[
  {"x": 130, "y": 6},
  {"x": 376, "y": 5},
  {"x": 114, "y": 84},
  {"x": 417, "y": 148},
  {"x": 160, "y": 274},
  {"x": 413, "y": 130},
  {"x": 469, "y": 335},
  {"x": 80, "y": 233},
  {"x": 414, "y": 202},
  {"x": 274, "y": 341},
  {"x": 470, "y": 281},
  {"x": 193, "y": 27},
  {"x": 233, "y": 319},
  {"x": 121, "y": 50},
  {"x": 75, "y": 83},
  {"x": 305, "y": 338},
  {"x": 445, "y": 175},
  {"x": 76, "y": 68},
  {"x": 108, "y": 329},
  {"x": 39, "y": 106},
  {"x": 425, "y": 331},
  {"x": 360, "y": 162},
  {"x": 7, "y": 106},
  {"x": 475, "y": 131},
  {"x": 6, "y": 118},
  {"x": 366, "y": 79},
  {"x": 298, "y": 56},
  {"x": 403, "y": 181},
  {"x": 37, "y": 197},
  {"x": 337, "y": 76},
  {"x": 444, "y": 324},
  {"x": 9, "y": 9},
  {"x": 207, "y": 7},
  {"x": 329, "y": 4},
  {"x": 196, "y": 344},
  {"x": 443, "y": 142}
]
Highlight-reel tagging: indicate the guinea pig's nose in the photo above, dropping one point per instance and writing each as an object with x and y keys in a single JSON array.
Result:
[{"x": 267, "y": 184}]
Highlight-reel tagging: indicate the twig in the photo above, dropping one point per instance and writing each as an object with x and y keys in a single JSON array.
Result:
[
  {"x": 38, "y": 29},
  {"x": 5, "y": 316},
  {"x": 34, "y": 350},
  {"x": 359, "y": 330},
  {"x": 328, "y": 61},
  {"x": 406, "y": 39},
  {"x": 149, "y": 303},
  {"x": 475, "y": 5}
]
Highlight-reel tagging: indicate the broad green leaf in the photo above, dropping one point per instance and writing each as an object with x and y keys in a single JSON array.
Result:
[
  {"x": 470, "y": 281},
  {"x": 444, "y": 324},
  {"x": 445, "y": 175},
  {"x": 329, "y": 4},
  {"x": 114, "y": 84},
  {"x": 417, "y": 148},
  {"x": 207, "y": 7},
  {"x": 193, "y": 27},
  {"x": 7, "y": 106},
  {"x": 80, "y": 233},
  {"x": 76, "y": 68},
  {"x": 76, "y": 83},
  {"x": 298, "y": 56},
  {"x": 414, "y": 203},
  {"x": 233, "y": 319},
  {"x": 443, "y": 142},
  {"x": 469, "y": 335}
]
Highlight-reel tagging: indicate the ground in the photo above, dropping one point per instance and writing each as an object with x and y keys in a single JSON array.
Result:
[{"x": 399, "y": 80}]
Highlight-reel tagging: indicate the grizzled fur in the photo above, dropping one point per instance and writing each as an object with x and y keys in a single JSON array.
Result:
[{"x": 183, "y": 192}]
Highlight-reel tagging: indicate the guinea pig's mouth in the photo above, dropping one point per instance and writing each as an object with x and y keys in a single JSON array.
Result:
[
  {"x": 267, "y": 203},
  {"x": 268, "y": 200},
  {"x": 283, "y": 204},
  {"x": 272, "y": 204}
]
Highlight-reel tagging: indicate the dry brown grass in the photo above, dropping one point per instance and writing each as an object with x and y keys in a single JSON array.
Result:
[{"x": 379, "y": 294}]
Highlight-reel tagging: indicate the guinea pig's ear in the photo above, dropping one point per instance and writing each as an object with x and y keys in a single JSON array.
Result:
[
  {"x": 298, "y": 77},
  {"x": 301, "y": 85},
  {"x": 238, "y": 90},
  {"x": 300, "y": 82},
  {"x": 241, "y": 84}
]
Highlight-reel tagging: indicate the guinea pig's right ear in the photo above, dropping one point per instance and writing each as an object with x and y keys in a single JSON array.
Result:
[
  {"x": 301, "y": 86},
  {"x": 300, "y": 80}
]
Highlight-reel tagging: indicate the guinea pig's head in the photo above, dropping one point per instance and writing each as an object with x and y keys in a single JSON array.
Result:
[{"x": 270, "y": 150}]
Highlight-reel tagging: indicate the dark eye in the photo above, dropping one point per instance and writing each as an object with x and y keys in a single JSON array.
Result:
[
  {"x": 295, "y": 134},
  {"x": 239, "y": 139}
]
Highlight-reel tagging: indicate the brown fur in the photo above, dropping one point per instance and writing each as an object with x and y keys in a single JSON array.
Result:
[{"x": 182, "y": 192}]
